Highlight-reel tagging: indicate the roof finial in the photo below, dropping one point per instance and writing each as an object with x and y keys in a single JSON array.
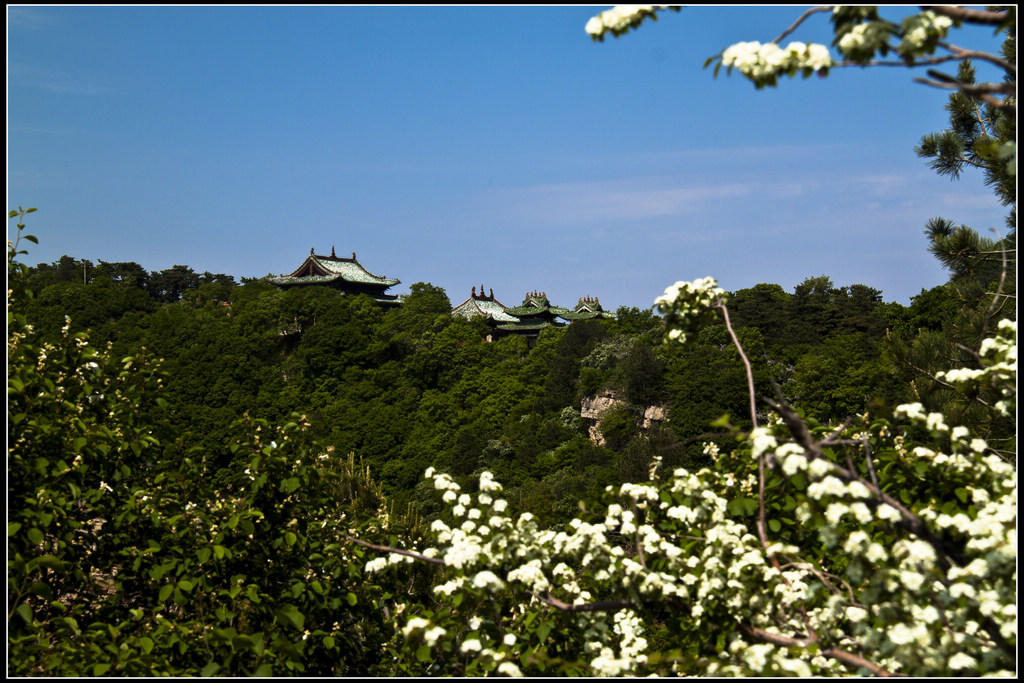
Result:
[
  {"x": 332, "y": 252},
  {"x": 311, "y": 251},
  {"x": 353, "y": 256},
  {"x": 472, "y": 293},
  {"x": 492, "y": 292}
]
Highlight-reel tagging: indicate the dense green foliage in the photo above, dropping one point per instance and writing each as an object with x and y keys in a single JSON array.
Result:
[{"x": 413, "y": 387}]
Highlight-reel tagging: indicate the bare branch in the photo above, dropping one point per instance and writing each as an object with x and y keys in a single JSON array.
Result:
[
  {"x": 746, "y": 364},
  {"x": 981, "y": 90},
  {"x": 801, "y": 19},
  {"x": 965, "y": 14},
  {"x": 964, "y": 53},
  {"x": 999, "y": 290},
  {"x": 585, "y": 607},
  {"x": 945, "y": 384},
  {"x": 847, "y": 658},
  {"x": 396, "y": 551},
  {"x": 871, "y": 465},
  {"x": 762, "y": 526}
]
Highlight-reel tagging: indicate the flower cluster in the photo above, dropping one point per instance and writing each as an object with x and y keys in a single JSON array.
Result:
[
  {"x": 620, "y": 19},
  {"x": 763, "y": 63},
  {"x": 862, "y": 41},
  {"x": 687, "y": 306},
  {"x": 999, "y": 367},
  {"x": 920, "y": 31}
]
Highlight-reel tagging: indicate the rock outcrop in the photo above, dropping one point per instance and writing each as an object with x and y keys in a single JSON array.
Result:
[{"x": 593, "y": 408}]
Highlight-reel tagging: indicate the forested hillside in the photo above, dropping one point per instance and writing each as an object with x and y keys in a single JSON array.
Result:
[{"x": 413, "y": 387}]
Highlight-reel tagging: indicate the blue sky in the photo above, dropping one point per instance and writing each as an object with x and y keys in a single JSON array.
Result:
[{"x": 468, "y": 146}]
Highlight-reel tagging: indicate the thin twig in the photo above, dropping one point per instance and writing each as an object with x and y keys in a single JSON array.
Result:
[
  {"x": 397, "y": 551},
  {"x": 871, "y": 465},
  {"x": 583, "y": 607},
  {"x": 762, "y": 526},
  {"x": 746, "y": 364},
  {"x": 964, "y": 53},
  {"x": 1002, "y": 280},
  {"x": 977, "y": 91},
  {"x": 801, "y": 19}
]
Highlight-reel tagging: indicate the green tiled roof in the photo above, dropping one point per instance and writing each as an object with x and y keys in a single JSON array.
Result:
[
  {"x": 473, "y": 308},
  {"x": 319, "y": 269}
]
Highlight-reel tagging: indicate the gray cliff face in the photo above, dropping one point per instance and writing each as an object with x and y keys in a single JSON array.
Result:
[{"x": 593, "y": 408}]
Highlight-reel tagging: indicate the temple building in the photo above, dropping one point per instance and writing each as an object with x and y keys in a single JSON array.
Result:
[
  {"x": 485, "y": 306},
  {"x": 535, "y": 314},
  {"x": 588, "y": 308},
  {"x": 344, "y": 274}
]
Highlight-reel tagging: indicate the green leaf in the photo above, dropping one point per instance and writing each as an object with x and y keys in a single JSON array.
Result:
[
  {"x": 742, "y": 507},
  {"x": 543, "y": 630},
  {"x": 25, "y": 612},
  {"x": 290, "y": 614},
  {"x": 210, "y": 670},
  {"x": 12, "y": 528},
  {"x": 774, "y": 525},
  {"x": 35, "y": 536},
  {"x": 352, "y": 599},
  {"x": 423, "y": 653},
  {"x": 165, "y": 592},
  {"x": 329, "y": 642},
  {"x": 185, "y": 585},
  {"x": 100, "y": 669},
  {"x": 51, "y": 562},
  {"x": 203, "y": 555},
  {"x": 41, "y": 589}
]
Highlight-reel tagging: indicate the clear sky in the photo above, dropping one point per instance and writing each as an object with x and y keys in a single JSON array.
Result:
[{"x": 471, "y": 145}]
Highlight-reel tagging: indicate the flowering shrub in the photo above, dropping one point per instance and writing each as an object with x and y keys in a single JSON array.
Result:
[
  {"x": 883, "y": 546},
  {"x": 127, "y": 556}
]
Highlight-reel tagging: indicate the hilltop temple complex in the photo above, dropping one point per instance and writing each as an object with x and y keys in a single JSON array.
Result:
[{"x": 350, "y": 278}]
